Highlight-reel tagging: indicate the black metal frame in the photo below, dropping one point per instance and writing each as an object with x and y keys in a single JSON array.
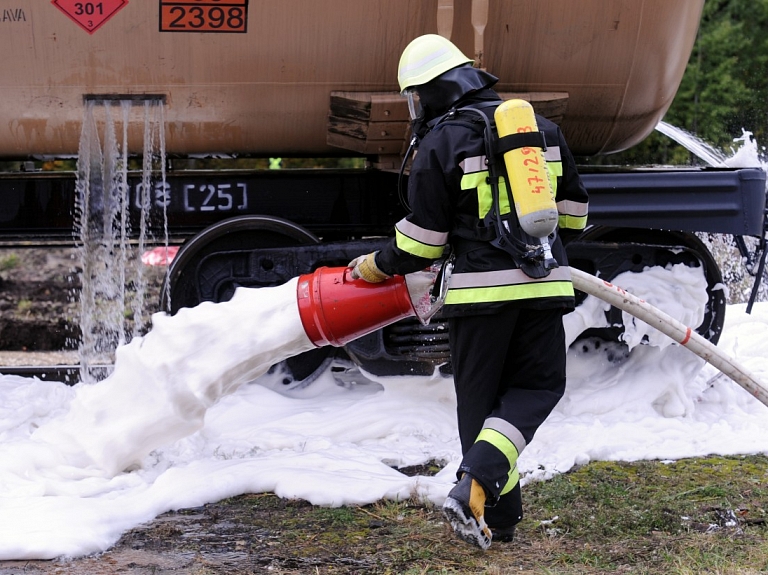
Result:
[
  {"x": 343, "y": 207},
  {"x": 344, "y": 204}
]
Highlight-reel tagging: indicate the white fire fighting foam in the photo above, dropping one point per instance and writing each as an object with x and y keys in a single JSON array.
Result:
[
  {"x": 175, "y": 427},
  {"x": 164, "y": 382}
]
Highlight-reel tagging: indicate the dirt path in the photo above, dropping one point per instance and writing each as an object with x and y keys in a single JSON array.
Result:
[{"x": 261, "y": 533}]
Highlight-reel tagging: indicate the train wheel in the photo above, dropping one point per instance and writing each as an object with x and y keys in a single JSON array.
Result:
[
  {"x": 632, "y": 250},
  {"x": 182, "y": 286}
]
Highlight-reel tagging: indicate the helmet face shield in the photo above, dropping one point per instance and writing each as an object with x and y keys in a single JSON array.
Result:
[{"x": 414, "y": 104}]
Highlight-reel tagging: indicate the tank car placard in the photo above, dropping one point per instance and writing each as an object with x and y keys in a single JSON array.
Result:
[
  {"x": 90, "y": 16},
  {"x": 204, "y": 16}
]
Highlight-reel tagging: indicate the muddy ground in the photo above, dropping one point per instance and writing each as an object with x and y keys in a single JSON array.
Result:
[
  {"x": 39, "y": 299},
  {"x": 257, "y": 533},
  {"x": 261, "y": 533},
  {"x": 38, "y": 308}
]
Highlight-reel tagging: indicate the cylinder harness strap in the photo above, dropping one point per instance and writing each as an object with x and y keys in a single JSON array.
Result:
[{"x": 507, "y": 235}]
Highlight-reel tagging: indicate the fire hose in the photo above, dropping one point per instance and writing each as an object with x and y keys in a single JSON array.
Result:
[
  {"x": 671, "y": 327},
  {"x": 335, "y": 309}
]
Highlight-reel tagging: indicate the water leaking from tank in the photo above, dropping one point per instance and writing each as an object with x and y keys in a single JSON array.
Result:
[
  {"x": 737, "y": 258},
  {"x": 713, "y": 157},
  {"x": 108, "y": 248}
]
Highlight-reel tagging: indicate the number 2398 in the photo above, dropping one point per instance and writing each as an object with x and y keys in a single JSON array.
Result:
[{"x": 205, "y": 18}]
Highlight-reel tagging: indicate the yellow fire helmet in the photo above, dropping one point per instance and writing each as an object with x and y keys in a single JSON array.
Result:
[{"x": 425, "y": 58}]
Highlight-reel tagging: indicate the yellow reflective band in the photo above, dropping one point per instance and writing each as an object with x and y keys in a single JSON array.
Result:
[
  {"x": 509, "y": 292},
  {"x": 514, "y": 479},
  {"x": 500, "y": 442},
  {"x": 416, "y": 248},
  {"x": 507, "y": 430},
  {"x": 479, "y": 180},
  {"x": 572, "y": 222},
  {"x": 476, "y": 180},
  {"x": 555, "y": 168},
  {"x": 503, "y": 444}
]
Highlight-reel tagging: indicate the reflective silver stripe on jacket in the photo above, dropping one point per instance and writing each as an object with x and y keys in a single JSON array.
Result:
[
  {"x": 571, "y": 208},
  {"x": 504, "y": 277},
  {"x": 422, "y": 235},
  {"x": 552, "y": 154},
  {"x": 474, "y": 164}
]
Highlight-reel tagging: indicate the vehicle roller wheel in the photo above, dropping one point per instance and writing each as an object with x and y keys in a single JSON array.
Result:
[
  {"x": 182, "y": 286},
  {"x": 607, "y": 252}
]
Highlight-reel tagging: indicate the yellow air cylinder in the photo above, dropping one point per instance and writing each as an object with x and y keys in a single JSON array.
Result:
[{"x": 527, "y": 169}]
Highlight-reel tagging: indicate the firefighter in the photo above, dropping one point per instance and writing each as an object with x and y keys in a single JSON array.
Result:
[{"x": 506, "y": 331}]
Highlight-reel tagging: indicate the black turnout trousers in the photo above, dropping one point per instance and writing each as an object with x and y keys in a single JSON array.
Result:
[{"x": 508, "y": 365}]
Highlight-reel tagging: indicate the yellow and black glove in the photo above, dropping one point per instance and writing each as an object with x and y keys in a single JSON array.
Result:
[{"x": 364, "y": 267}]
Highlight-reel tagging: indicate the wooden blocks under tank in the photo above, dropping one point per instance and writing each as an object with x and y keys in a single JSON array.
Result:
[
  {"x": 377, "y": 123},
  {"x": 551, "y": 105},
  {"x": 368, "y": 122}
]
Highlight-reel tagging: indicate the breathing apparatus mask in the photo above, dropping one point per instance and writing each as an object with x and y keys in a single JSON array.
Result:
[
  {"x": 414, "y": 103},
  {"x": 433, "y": 74},
  {"x": 420, "y": 116}
]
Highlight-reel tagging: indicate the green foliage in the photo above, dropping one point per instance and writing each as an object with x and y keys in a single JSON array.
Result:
[
  {"x": 724, "y": 89},
  {"x": 9, "y": 262}
]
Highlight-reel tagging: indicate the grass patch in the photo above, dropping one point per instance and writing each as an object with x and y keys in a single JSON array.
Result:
[
  {"x": 9, "y": 262},
  {"x": 707, "y": 515},
  {"x": 681, "y": 518}
]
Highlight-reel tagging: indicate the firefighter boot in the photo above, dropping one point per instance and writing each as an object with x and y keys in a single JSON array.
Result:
[
  {"x": 505, "y": 514},
  {"x": 464, "y": 508},
  {"x": 504, "y": 534}
]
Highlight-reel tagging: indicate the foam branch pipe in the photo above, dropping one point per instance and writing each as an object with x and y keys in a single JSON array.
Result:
[{"x": 668, "y": 325}]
